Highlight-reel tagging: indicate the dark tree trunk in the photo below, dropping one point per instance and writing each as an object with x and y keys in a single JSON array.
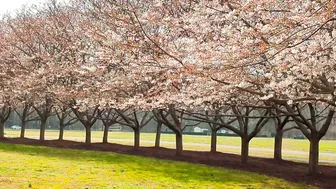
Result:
[
  {"x": 42, "y": 129},
  {"x": 61, "y": 132},
  {"x": 213, "y": 140},
  {"x": 158, "y": 135},
  {"x": 313, "y": 156},
  {"x": 87, "y": 135},
  {"x": 2, "y": 129},
  {"x": 23, "y": 129},
  {"x": 179, "y": 144},
  {"x": 278, "y": 144},
  {"x": 105, "y": 135},
  {"x": 244, "y": 150},
  {"x": 136, "y": 138}
]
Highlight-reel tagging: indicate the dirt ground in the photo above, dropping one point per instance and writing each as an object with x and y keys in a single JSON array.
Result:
[{"x": 291, "y": 171}]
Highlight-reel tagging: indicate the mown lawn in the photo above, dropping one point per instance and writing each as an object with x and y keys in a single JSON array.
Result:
[
  {"x": 288, "y": 144},
  {"x": 24, "y": 166}
]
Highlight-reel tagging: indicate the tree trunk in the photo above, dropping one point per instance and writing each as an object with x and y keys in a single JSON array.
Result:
[
  {"x": 244, "y": 150},
  {"x": 23, "y": 129},
  {"x": 2, "y": 129},
  {"x": 136, "y": 138},
  {"x": 278, "y": 144},
  {"x": 42, "y": 129},
  {"x": 158, "y": 135},
  {"x": 313, "y": 156},
  {"x": 61, "y": 132},
  {"x": 213, "y": 140},
  {"x": 179, "y": 144},
  {"x": 87, "y": 135},
  {"x": 105, "y": 135}
]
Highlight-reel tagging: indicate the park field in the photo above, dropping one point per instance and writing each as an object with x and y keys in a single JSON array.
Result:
[
  {"x": 24, "y": 166},
  {"x": 294, "y": 149}
]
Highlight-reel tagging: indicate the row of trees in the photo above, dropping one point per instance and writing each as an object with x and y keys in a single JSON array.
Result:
[
  {"x": 245, "y": 121},
  {"x": 219, "y": 62}
]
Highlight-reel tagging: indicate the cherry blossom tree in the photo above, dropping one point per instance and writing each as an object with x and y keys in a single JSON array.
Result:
[
  {"x": 109, "y": 117},
  {"x": 44, "y": 111},
  {"x": 314, "y": 124},
  {"x": 174, "y": 56},
  {"x": 249, "y": 121},
  {"x": 26, "y": 113},
  {"x": 62, "y": 114},
  {"x": 135, "y": 120},
  {"x": 87, "y": 118},
  {"x": 158, "y": 127},
  {"x": 280, "y": 122},
  {"x": 5, "y": 112},
  {"x": 213, "y": 117},
  {"x": 173, "y": 119}
]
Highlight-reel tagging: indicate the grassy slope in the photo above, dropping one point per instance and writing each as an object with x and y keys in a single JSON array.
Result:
[
  {"x": 25, "y": 166},
  {"x": 288, "y": 144}
]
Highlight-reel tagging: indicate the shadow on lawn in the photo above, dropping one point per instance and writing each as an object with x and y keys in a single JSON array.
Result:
[
  {"x": 291, "y": 171},
  {"x": 183, "y": 172}
]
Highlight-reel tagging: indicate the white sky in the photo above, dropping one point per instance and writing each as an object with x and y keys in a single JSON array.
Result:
[{"x": 11, "y": 5}]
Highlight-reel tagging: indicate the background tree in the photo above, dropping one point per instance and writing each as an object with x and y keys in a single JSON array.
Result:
[
  {"x": 26, "y": 114},
  {"x": 109, "y": 117},
  {"x": 280, "y": 122},
  {"x": 5, "y": 111},
  {"x": 87, "y": 118},
  {"x": 65, "y": 120},
  {"x": 135, "y": 120},
  {"x": 44, "y": 111}
]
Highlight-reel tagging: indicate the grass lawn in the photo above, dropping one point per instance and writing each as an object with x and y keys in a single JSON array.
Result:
[
  {"x": 24, "y": 166},
  {"x": 288, "y": 144}
]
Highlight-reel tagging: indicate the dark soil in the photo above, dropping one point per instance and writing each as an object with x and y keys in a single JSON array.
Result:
[{"x": 288, "y": 170}]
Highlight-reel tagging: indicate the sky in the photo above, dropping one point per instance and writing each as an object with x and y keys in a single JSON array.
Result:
[{"x": 11, "y": 5}]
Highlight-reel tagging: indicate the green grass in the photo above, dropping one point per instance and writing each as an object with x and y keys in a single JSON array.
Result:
[
  {"x": 288, "y": 144},
  {"x": 24, "y": 166}
]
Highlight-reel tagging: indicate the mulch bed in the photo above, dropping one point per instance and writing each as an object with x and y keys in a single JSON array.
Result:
[{"x": 288, "y": 170}]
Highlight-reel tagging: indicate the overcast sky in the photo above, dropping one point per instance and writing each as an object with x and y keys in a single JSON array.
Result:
[{"x": 10, "y": 5}]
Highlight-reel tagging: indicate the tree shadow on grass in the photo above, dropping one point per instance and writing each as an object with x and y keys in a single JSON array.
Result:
[{"x": 171, "y": 170}]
